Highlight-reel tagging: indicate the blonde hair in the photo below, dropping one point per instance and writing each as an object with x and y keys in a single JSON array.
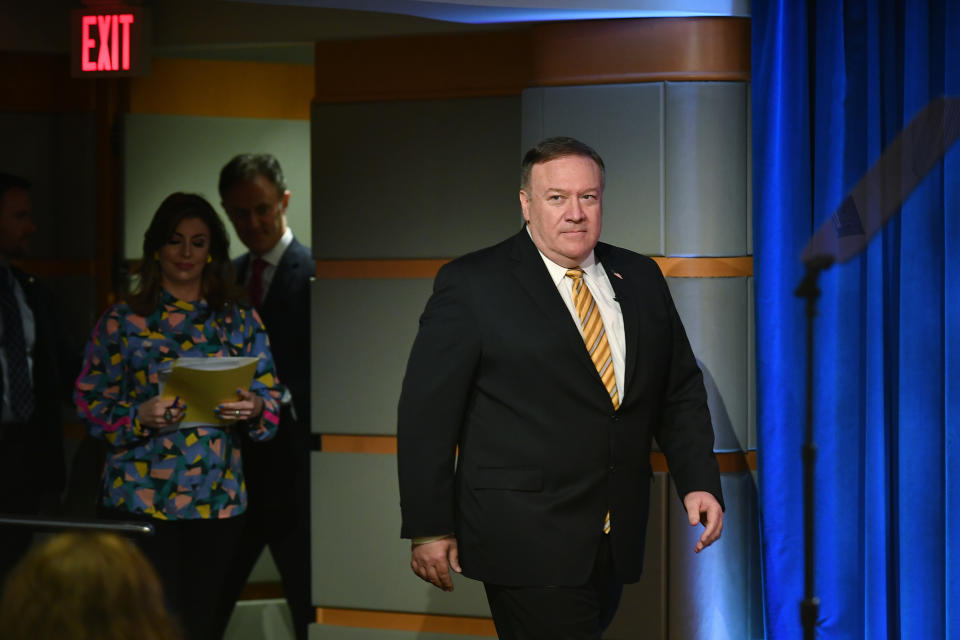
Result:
[{"x": 85, "y": 586}]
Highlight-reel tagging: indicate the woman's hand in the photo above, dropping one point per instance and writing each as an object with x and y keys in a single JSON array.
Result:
[
  {"x": 161, "y": 412},
  {"x": 248, "y": 407}
]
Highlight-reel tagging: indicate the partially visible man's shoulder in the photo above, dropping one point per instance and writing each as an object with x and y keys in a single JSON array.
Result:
[
  {"x": 481, "y": 259},
  {"x": 39, "y": 296},
  {"x": 300, "y": 250},
  {"x": 626, "y": 257},
  {"x": 240, "y": 260},
  {"x": 28, "y": 280},
  {"x": 302, "y": 256}
]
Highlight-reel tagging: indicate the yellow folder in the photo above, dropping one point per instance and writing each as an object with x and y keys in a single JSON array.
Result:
[{"x": 203, "y": 383}]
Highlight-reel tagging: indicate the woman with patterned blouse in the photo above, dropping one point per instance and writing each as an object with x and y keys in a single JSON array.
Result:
[{"x": 186, "y": 481}]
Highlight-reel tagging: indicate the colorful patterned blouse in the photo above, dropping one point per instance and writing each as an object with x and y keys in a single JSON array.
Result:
[{"x": 188, "y": 473}]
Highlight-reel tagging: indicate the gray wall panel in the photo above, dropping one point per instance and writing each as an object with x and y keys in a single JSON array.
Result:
[
  {"x": 624, "y": 124},
  {"x": 185, "y": 153},
  {"x": 329, "y": 632},
  {"x": 267, "y": 619},
  {"x": 714, "y": 313},
  {"x": 705, "y": 164},
  {"x": 414, "y": 179},
  {"x": 359, "y": 560},
  {"x": 531, "y": 118},
  {"x": 643, "y": 606},
  {"x": 56, "y": 152},
  {"x": 360, "y": 347},
  {"x": 716, "y": 594}
]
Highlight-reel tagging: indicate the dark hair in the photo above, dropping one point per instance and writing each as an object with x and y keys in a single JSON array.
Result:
[
  {"x": 247, "y": 166},
  {"x": 219, "y": 280},
  {"x": 85, "y": 586},
  {"x": 9, "y": 181},
  {"x": 552, "y": 148}
]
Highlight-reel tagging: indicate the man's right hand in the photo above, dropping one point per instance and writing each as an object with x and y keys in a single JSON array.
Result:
[{"x": 432, "y": 561}]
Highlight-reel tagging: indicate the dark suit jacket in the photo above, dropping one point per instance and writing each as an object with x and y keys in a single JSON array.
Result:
[
  {"x": 44, "y": 437},
  {"x": 277, "y": 470},
  {"x": 499, "y": 369}
]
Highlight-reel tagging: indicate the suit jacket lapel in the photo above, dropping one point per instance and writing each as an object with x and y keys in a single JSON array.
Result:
[
  {"x": 284, "y": 274},
  {"x": 535, "y": 279},
  {"x": 629, "y": 307}
]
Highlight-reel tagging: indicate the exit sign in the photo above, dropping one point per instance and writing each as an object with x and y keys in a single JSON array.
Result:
[{"x": 109, "y": 42}]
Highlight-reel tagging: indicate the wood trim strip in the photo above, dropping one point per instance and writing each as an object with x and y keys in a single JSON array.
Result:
[
  {"x": 261, "y": 591},
  {"x": 457, "y": 625},
  {"x": 345, "y": 269},
  {"x": 47, "y": 267},
  {"x": 735, "y": 267},
  {"x": 730, "y": 462},
  {"x": 426, "y": 67},
  {"x": 640, "y": 50},
  {"x": 505, "y": 62},
  {"x": 224, "y": 89},
  {"x": 358, "y": 444}
]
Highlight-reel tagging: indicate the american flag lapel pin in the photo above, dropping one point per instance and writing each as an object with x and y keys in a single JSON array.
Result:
[{"x": 618, "y": 275}]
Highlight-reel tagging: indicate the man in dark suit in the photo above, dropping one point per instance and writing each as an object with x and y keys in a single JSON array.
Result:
[
  {"x": 276, "y": 271},
  {"x": 551, "y": 361},
  {"x": 32, "y": 470}
]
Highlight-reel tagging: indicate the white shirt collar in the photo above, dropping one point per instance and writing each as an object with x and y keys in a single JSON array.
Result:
[
  {"x": 589, "y": 265},
  {"x": 273, "y": 256},
  {"x": 558, "y": 272}
]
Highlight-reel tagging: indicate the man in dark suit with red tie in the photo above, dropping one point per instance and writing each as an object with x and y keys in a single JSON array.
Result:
[
  {"x": 32, "y": 359},
  {"x": 550, "y": 362},
  {"x": 276, "y": 272}
]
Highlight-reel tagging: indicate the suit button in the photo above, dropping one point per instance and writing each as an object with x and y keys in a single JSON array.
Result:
[
  {"x": 614, "y": 417},
  {"x": 612, "y": 467}
]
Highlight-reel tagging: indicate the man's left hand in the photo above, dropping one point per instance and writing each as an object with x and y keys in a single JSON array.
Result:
[
  {"x": 433, "y": 560},
  {"x": 702, "y": 507}
]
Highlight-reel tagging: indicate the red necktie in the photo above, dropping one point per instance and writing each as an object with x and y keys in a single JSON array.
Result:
[{"x": 255, "y": 285}]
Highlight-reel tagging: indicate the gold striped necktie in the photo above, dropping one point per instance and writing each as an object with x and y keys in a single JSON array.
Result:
[{"x": 595, "y": 337}]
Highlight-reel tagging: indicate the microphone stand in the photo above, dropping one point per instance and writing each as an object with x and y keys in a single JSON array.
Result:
[
  {"x": 810, "y": 606},
  {"x": 876, "y": 198}
]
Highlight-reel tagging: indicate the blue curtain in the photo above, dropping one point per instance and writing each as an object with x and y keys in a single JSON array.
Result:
[{"x": 832, "y": 84}]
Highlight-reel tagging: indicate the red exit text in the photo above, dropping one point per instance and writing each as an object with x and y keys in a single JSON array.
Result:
[{"x": 105, "y": 42}]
